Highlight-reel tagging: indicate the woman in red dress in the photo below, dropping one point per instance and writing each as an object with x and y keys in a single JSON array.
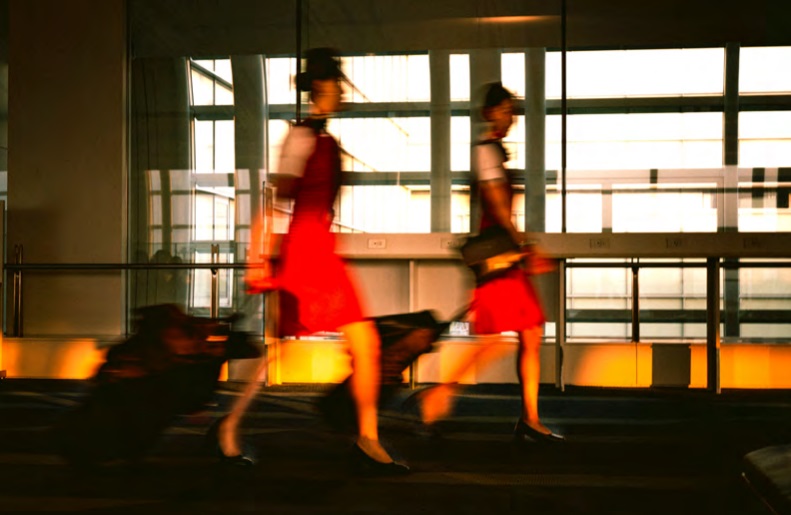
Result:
[
  {"x": 507, "y": 302},
  {"x": 316, "y": 291}
]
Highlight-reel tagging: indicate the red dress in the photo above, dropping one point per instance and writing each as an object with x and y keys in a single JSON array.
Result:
[
  {"x": 316, "y": 291},
  {"x": 508, "y": 302}
]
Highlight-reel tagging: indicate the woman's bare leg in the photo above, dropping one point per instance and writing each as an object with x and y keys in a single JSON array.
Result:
[
  {"x": 365, "y": 349},
  {"x": 528, "y": 369},
  {"x": 228, "y": 432},
  {"x": 437, "y": 402}
]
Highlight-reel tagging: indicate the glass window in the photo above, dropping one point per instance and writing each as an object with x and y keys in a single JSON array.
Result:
[
  {"x": 214, "y": 146},
  {"x": 280, "y": 86},
  {"x": 513, "y": 73},
  {"x": 664, "y": 211},
  {"x": 388, "y": 78},
  {"x": 460, "y": 77},
  {"x": 383, "y": 144},
  {"x": 636, "y": 141},
  {"x": 460, "y": 143},
  {"x": 764, "y": 70},
  {"x": 583, "y": 209},
  {"x": 212, "y": 82},
  {"x": 765, "y": 138},
  {"x": 634, "y": 73},
  {"x": 383, "y": 209},
  {"x": 764, "y": 299}
]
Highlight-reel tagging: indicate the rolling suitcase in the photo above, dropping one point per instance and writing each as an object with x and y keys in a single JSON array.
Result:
[
  {"x": 404, "y": 338},
  {"x": 168, "y": 367}
]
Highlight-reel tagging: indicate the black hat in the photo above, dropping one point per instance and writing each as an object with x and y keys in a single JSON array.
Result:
[{"x": 320, "y": 64}]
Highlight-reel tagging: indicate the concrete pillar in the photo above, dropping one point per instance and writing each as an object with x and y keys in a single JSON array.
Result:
[
  {"x": 250, "y": 131},
  {"x": 535, "y": 140}
]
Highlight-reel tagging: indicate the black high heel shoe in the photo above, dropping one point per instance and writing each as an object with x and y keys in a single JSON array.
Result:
[
  {"x": 523, "y": 430},
  {"x": 364, "y": 465},
  {"x": 213, "y": 442}
]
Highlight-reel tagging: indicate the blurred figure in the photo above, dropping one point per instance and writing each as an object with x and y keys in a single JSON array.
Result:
[
  {"x": 507, "y": 302},
  {"x": 316, "y": 291}
]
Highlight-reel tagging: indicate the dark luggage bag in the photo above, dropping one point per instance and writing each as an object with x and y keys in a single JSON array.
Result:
[
  {"x": 404, "y": 338},
  {"x": 168, "y": 367}
]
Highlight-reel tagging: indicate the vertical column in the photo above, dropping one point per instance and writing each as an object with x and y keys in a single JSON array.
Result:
[
  {"x": 730, "y": 204},
  {"x": 439, "y": 64},
  {"x": 713, "y": 325},
  {"x": 560, "y": 324},
  {"x": 3, "y": 114},
  {"x": 730, "y": 135},
  {"x": 535, "y": 140},
  {"x": 485, "y": 67},
  {"x": 250, "y": 152},
  {"x": 250, "y": 132}
]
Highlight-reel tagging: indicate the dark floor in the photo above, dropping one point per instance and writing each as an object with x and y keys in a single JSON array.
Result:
[{"x": 628, "y": 452}]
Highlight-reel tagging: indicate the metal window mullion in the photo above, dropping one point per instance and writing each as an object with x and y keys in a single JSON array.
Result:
[{"x": 713, "y": 325}]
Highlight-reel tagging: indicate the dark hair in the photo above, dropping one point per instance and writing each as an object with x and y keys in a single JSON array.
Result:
[
  {"x": 320, "y": 64},
  {"x": 494, "y": 94}
]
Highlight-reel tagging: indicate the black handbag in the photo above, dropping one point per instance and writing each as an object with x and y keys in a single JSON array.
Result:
[{"x": 491, "y": 253}]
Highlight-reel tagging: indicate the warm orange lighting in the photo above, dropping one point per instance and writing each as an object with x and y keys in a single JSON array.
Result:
[
  {"x": 608, "y": 364},
  {"x": 514, "y": 19},
  {"x": 52, "y": 358}
]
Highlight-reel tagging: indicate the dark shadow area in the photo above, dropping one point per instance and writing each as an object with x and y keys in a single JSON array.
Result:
[{"x": 628, "y": 452}]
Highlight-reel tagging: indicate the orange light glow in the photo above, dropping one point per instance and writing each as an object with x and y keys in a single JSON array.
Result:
[
  {"x": 51, "y": 358},
  {"x": 515, "y": 19}
]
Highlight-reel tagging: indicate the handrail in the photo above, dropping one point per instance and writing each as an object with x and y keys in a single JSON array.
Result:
[
  {"x": 700, "y": 264},
  {"x": 123, "y": 266},
  {"x": 241, "y": 266},
  {"x": 712, "y": 266}
]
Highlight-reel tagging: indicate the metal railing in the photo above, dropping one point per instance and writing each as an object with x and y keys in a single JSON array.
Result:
[
  {"x": 712, "y": 265},
  {"x": 18, "y": 268}
]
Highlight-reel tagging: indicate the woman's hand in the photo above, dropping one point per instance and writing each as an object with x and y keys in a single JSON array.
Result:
[
  {"x": 536, "y": 261},
  {"x": 259, "y": 278}
]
